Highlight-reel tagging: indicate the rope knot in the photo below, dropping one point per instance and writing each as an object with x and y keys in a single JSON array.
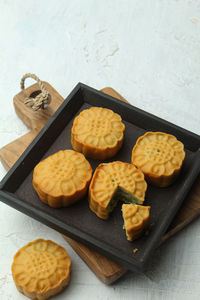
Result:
[{"x": 42, "y": 99}]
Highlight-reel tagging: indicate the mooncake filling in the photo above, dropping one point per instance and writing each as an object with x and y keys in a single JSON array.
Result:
[{"x": 121, "y": 195}]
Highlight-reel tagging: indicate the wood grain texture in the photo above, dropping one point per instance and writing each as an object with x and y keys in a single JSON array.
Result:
[
  {"x": 106, "y": 270},
  {"x": 10, "y": 153}
]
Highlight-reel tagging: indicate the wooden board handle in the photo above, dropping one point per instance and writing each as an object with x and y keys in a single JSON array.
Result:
[
  {"x": 35, "y": 120},
  {"x": 111, "y": 92}
]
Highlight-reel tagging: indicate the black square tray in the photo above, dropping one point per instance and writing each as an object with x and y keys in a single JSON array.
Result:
[{"x": 77, "y": 221}]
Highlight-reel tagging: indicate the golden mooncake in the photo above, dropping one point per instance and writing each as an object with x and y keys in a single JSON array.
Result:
[
  {"x": 41, "y": 269},
  {"x": 62, "y": 178},
  {"x": 112, "y": 182},
  {"x": 136, "y": 219},
  {"x": 97, "y": 132},
  {"x": 160, "y": 157}
]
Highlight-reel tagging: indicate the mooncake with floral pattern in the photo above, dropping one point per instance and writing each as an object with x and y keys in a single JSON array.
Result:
[
  {"x": 98, "y": 133},
  {"x": 160, "y": 157},
  {"x": 62, "y": 178}
]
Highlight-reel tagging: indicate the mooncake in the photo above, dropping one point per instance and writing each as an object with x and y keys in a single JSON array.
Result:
[
  {"x": 112, "y": 182},
  {"x": 97, "y": 132},
  {"x": 62, "y": 178},
  {"x": 136, "y": 219},
  {"x": 41, "y": 269},
  {"x": 160, "y": 157}
]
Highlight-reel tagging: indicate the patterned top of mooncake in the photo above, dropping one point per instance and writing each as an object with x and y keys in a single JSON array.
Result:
[
  {"x": 40, "y": 265},
  {"x": 108, "y": 177},
  {"x": 158, "y": 153},
  {"x": 98, "y": 127},
  {"x": 63, "y": 173},
  {"x": 134, "y": 216}
]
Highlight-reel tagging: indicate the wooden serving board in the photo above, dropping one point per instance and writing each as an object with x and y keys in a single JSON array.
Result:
[{"x": 106, "y": 270}]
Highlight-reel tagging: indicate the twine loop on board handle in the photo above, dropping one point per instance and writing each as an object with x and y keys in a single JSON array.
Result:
[{"x": 42, "y": 99}]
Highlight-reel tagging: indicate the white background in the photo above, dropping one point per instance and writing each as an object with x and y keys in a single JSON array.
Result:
[{"x": 149, "y": 51}]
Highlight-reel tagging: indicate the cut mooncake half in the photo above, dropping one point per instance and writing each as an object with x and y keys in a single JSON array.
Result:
[
  {"x": 160, "y": 157},
  {"x": 97, "y": 132},
  {"x": 136, "y": 220},
  {"x": 62, "y": 178},
  {"x": 112, "y": 182},
  {"x": 41, "y": 269}
]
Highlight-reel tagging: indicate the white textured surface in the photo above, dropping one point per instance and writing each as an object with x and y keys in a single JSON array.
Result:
[{"x": 147, "y": 50}]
